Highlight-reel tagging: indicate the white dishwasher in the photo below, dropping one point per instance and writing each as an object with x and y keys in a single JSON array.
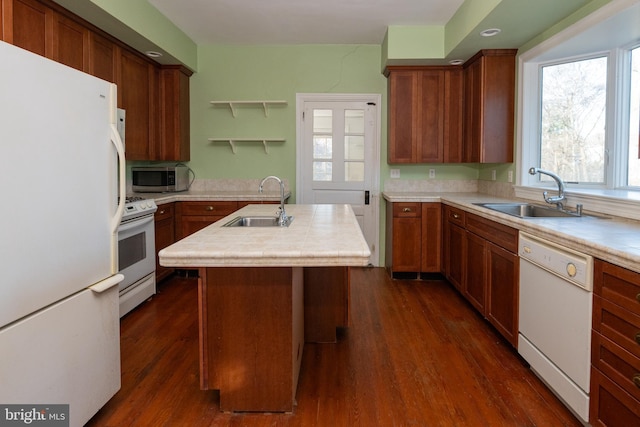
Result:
[{"x": 556, "y": 286}]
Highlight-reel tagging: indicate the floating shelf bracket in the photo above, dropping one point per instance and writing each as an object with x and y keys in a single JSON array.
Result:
[
  {"x": 234, "y": 104},
  {"x": 232, "y": 142}
]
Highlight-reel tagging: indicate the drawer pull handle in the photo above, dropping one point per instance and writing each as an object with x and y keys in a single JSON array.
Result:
[
  {"x": 209, "y": 208},
  {"x": 161, "y": 212},
  {"x": 456, "y": 216},
  {"x": 638, "y": 337},
  {"x": 636, "y": 380},
  {"x": 638, "y": 297},
  {"x": 406, "y": 210}
]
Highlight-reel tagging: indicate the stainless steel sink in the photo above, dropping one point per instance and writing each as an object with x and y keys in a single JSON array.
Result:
[
  {"x": 528, "y": 210},
  {"x": 256, "y": 221}
]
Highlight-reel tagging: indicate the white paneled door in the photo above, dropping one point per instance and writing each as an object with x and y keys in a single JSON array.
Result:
[{"x": 338, "y": 156}]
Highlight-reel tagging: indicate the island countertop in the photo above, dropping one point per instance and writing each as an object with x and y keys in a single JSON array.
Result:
[{"x": 319, "y": 236}]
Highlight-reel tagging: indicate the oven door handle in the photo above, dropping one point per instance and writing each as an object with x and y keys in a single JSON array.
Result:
[{"x": 135, "y": 223}]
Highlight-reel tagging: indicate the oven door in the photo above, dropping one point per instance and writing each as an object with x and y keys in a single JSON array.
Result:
[{"x": 136, "y": 250}]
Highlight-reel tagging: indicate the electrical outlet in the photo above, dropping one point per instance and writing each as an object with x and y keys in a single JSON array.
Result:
[
  {"x": 395, "y": 173},
  {"x": 493, "y": 175},
  {"x": 432, "y": 173},
  {"x": 510, "y": 176}
]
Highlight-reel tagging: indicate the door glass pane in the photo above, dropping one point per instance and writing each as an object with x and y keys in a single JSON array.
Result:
[
  {"x": 322, "y": 121},
  {"x": 354, "y": 171},
  {"x": 573, "y": 120},
  {"x": 322, "y": 147},
  {"x": 634, "y": 121},
  {"x": 322, "y": 171},
  {"x": 354, "y": 147},
  {"x": 354, "y": 121}
]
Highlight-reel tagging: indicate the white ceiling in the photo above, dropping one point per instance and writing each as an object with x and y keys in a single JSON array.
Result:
[{"x": 300, "y": 21}]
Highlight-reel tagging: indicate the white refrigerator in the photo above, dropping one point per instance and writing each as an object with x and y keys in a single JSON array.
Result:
[{"x": 62, "y": 202}]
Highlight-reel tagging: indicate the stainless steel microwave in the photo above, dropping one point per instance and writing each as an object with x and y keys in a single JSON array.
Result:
[{"x": 160, "y": 179}]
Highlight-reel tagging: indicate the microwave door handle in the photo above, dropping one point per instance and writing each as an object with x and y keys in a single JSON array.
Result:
[{"x": 136, "y": 223}]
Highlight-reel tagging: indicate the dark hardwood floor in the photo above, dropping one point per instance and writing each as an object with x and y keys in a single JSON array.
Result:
[{"x": 415, "y": 354}]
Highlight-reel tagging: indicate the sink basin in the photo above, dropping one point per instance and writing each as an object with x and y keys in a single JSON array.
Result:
[
  {"x": 528, "y": 210},
  {"x": 256, "y": 221}
]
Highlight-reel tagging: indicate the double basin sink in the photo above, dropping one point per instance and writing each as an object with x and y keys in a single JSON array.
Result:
[
  {"x": 257, "y": 221},
  {"x": 528, "y": 210}
]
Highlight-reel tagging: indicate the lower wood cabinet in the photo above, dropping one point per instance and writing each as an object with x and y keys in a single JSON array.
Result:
[
  {"x": 413, "y": 236},
  {"x": 481, "y": 261},
  {"x": 164, "y": 234},
  {"x": 615, "y": 347},
  {"x": 194, "y": 216}
]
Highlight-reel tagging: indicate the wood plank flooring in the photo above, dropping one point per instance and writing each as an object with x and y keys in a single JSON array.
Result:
[{"x": 415, "y": 354}]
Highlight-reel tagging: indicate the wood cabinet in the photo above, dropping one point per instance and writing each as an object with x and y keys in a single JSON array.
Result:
[
  {"x": 174, "y": 98},
  {"x": 481, "y": 261},
  {"x": 413, "y": 233},
  {"x": 194, "y": 216},
  {"x": 165, "y": 235},
  {"x": 489, "y": 93},
  {"x": 156, "y": 99},
  {"x": 425, "y": 108},
  {"x": 615, "y": 355}
]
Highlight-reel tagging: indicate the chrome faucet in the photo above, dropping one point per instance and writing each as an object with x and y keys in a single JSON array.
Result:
[
  {"x": 283, "y": 219},
  {"x": 557, "y": 200}
]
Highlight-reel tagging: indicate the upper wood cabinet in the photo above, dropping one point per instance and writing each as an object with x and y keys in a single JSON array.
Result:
[
  {"x": 424, "y": 114},
  {"x": 156, "y": 99},
  {"x": 174, "y": 100},
  {"x": 489, "y": 92}
]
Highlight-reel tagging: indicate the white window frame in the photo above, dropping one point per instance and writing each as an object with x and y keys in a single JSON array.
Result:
[{"x": 594, "y": 197}]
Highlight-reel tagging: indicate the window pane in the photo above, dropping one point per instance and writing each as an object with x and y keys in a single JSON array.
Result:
[
  {"x": 573, "y": 120},
  {"x": 634, "y": 120},
  {"x": 354, "y": 171},
  {"x": 322, "y": 147},
  {"x": 322, "y": 171},
  {"x": 354, "y": 121},
  {"x": 322, "y": 121},
  {"x": 354, "y": 147}
]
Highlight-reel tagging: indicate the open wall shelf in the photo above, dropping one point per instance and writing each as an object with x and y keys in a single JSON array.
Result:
[
  {"x": 233, "y": 105},
  {"x": 232, "y": 142}
]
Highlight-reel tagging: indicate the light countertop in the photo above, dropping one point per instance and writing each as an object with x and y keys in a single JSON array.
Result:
[
  {"x": 212, "y": 196},
  {"x": 613, "y": 239},
  {"x": 320, "y": 235}
]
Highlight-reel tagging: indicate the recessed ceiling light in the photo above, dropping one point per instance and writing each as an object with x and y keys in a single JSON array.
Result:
[
  {"x": 490, "y": 32},
  {"x": 153, "y": 54},
  {"x": 456, "y": 61}
]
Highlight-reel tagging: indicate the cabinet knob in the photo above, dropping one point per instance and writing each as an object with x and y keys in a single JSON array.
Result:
[
  {"x": 406, "y": 210},
  {"x": 636, "y": 380},
  {"x": 208, "y": 208},
  {"x": 455, "y": 216},
  {"x": 638, "y": 337},
  {"x": 638, "y": 297},
  {"x": 161, "y": 212}
]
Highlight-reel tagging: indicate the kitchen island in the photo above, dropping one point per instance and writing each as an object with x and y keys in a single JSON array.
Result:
[{"x": 263, "y": 292}]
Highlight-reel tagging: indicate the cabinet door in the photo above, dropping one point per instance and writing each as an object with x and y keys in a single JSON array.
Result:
[
  {"x": 402, "y": 126},
  {"x": 174, "y": 109},
  {"x": 164, "y": 234},
  {"x": 431, "y": 237},
  {"x": 472, "y": 112},
  {"x": 474, "y": 286},
  {"x": 453, "y": 115},
  {"x": 28, "y": 24},
  {"x": 503, "y": 289},
  {"x": 406, "y": 244},
  {"x": 430, "y": 135},
  {"x": 136, "y": 95},
  {"x": 102, "y": 57},
  {"x": 70, "y": 43},
  {"x": 456, "y": 255}
]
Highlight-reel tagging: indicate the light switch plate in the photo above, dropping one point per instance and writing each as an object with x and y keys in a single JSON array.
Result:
[{"x": 432, "y": 173}]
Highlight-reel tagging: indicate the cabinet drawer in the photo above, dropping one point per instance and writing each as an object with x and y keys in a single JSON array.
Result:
[
  {"x": 209, "y": 208},
  {"x": 611, "y": 405},
  {"x": 407, "y": 210},
  {"x": 502, "y": 235},
  {"x": 165, "y": 211},
  {"x": 619, "y": 325},
  {"x": 617, "y": 285},
  {"x": 454, "y": 215},
  {"x": 619, "y": 365}
]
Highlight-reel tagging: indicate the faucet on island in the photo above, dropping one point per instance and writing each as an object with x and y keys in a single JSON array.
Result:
[{"x": 283, "y": 219}]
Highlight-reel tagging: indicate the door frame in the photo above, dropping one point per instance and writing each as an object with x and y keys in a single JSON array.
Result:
[{"x": 374, "y": 191}]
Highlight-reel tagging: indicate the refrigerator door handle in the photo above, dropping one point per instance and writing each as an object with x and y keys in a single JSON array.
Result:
[
  {"x": 117, "y": 142},
  {"x": 107, "y": 283}
]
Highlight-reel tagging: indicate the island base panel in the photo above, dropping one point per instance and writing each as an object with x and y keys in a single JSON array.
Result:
[
  {"x": 251, "y": 336},
  {"x": 326, "y": 302}
]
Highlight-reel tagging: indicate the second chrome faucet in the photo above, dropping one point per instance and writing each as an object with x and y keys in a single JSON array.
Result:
[{"x": 283, "y": 219}]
